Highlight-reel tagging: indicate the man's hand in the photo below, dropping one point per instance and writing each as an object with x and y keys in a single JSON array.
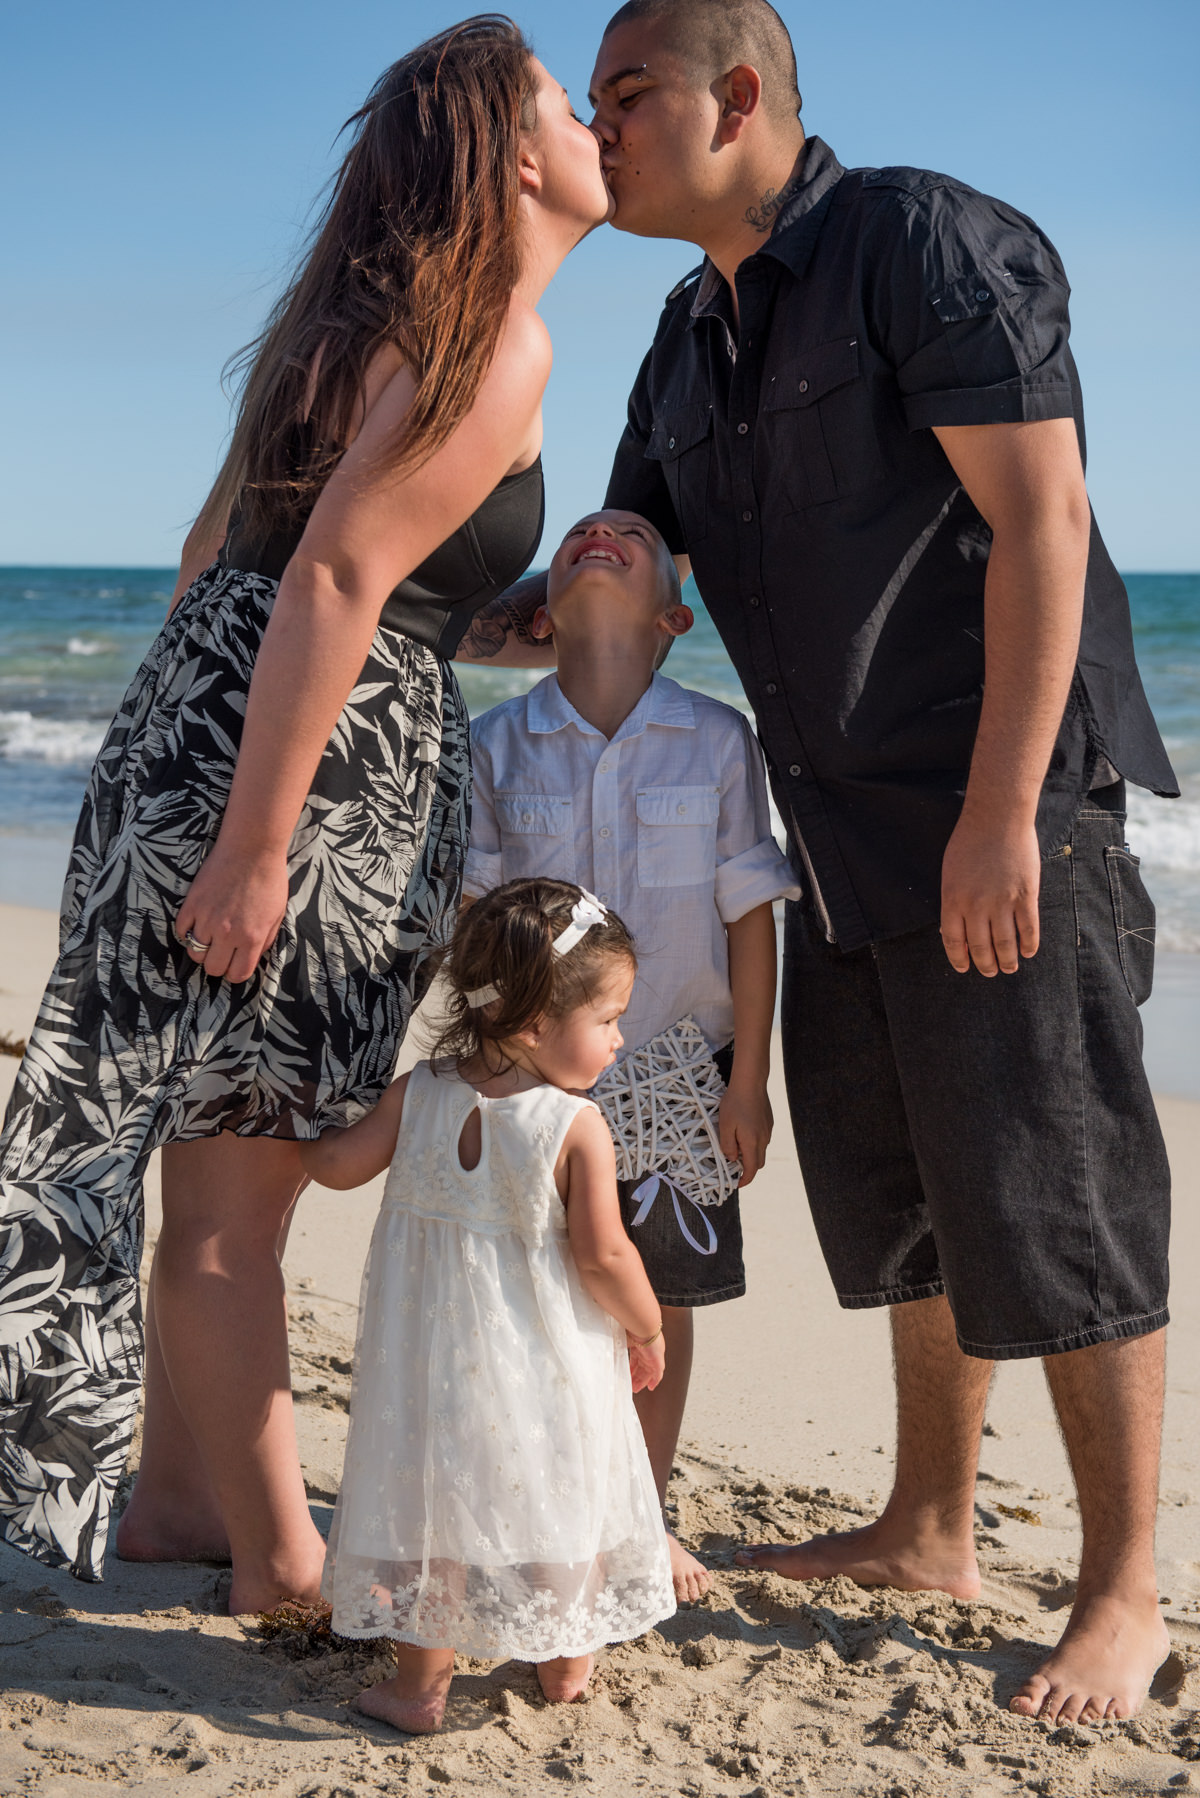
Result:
[
  {"x": 990, "y": 880},
  {"x": 745, "y": 1124}
]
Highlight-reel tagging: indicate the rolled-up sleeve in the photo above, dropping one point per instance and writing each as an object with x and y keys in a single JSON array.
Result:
[
  {"x": 637, "y": 482},
  {"x": 974, "y": 305},
  {"x": 751, "y": 869},
  {"x": 484, "y": 867}
]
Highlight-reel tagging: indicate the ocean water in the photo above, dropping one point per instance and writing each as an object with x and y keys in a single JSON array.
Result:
[{"x": 71, "y": 638}]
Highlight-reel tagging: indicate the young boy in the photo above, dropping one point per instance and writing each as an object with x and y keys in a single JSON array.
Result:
[{"x": 654, "y": 798}]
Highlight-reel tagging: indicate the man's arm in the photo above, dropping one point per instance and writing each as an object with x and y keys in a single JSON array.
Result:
[
  {"x": 1027, "y": 481},
  {"x": 501, "y": 636}
]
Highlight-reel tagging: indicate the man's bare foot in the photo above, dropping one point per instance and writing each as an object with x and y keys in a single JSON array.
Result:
[
  {"x": 414, "y": 1699},
  {"x": 294, "y": 1573},
  {"x": 1103, "y": 1665},
  {"x": 149, "y": 1531},
  {"x": 874, "y": 1556},
  {"x": 565, "y": 1681},
  {"x": 691, "y": 1577}
]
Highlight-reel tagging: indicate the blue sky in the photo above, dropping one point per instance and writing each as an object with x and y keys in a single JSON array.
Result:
[{"x": 160, "y": 160}]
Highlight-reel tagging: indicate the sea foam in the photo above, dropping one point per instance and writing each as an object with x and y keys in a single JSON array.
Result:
[{"x": 24, "y": 738}]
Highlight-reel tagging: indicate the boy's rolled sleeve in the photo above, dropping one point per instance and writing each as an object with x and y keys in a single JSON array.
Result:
[
  {"x": 484, "y": 866},
  {"x": 751, "y": 870}
]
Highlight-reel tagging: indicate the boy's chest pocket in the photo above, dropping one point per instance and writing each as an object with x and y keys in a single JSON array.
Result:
[
  {"x": 537, "y": 835},
  {"x": 677, "y": 835}
]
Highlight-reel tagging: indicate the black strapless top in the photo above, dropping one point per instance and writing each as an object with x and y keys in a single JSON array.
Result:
[{"x": 438, "y": 600}]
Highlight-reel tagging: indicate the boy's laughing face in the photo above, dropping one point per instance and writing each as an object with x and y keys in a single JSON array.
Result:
[{"x": 620, "y": 558}]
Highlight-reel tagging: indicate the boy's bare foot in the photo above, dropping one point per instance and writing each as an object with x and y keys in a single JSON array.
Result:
[
  {"x": 1103, "y": 1665},
  {"x": 691, "y": 1577},
  {"x": 565, "y": 1680},
  {"x": 878, "y": 1555},
  {"x": 294, "y": 1574},
  {"x": 414, "y": 1699}
]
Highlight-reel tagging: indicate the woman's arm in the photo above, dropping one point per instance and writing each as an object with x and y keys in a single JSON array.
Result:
[
  {"x": 351, "y": 1157},
  {"x": 609, "y": 1265},
  {"x": 366, "y": 532}
]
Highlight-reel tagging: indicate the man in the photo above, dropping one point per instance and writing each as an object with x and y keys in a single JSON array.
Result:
[{"x": 860, "y": 422}]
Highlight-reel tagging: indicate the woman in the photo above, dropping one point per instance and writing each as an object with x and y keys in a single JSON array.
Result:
[{"x": 271, "y": 846}]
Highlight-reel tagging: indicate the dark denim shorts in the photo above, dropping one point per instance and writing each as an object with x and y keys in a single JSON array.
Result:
[
  {"x": 991, "y": 1139},
  {"x": 692, "y": 1253}
]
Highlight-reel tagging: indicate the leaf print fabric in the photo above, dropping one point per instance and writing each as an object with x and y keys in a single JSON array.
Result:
[{"x": 135, "y": 1045}]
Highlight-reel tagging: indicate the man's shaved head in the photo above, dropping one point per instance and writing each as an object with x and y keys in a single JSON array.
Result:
[{"x": 714, "y": 36}]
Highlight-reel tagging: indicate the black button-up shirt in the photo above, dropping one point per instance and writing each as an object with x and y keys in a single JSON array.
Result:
[{"x": 790, "y": 456}]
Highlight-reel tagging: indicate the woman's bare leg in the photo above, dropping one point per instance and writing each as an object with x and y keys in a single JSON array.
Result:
[
  {"x": 414, "y": 1699},
  {"x": 221, "y": 1324}
]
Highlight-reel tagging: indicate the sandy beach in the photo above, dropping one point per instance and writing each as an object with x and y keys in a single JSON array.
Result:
[{"x": 765, "y": 1688}]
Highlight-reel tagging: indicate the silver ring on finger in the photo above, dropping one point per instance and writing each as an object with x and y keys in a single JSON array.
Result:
[{"x": 194, "y": 944}]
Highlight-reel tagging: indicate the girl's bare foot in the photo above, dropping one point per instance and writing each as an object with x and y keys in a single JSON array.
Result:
[
  {"x": 565, "y": 1680},
  {"x": 691, "y": 1577},
  {"x": 414, "y": 1699}
]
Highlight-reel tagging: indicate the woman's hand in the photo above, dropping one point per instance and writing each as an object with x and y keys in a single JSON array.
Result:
[{"x": 232, "y": 912}]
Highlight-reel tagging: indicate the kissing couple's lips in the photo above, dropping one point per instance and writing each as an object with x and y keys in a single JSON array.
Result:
[{"x": 599, "y": 549}]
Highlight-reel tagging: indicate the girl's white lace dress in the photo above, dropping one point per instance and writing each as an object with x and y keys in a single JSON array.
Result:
[{"x": 497, "y": 1496}]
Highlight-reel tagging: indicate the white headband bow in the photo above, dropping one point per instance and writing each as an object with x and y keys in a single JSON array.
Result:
[{"x": 585, "y": 912}]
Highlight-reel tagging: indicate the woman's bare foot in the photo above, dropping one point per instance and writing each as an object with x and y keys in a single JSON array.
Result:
[
  {"x": 1103, "y": 1665},
  {"x": 414, "y": 1699},
  {"x": 295, "y": 1572},
  {"x": 877, "y": 1555},
  {"x": 691, "y": 1577},
  {"x": 182, "y": 1530},
  {"x": 565, "y": 1681}
]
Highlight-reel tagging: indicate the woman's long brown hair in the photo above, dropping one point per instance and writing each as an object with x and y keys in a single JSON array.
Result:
[{"x": 416, "y": 246}]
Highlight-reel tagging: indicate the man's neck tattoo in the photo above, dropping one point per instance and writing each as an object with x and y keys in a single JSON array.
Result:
[{"x": 763, "y": 216}]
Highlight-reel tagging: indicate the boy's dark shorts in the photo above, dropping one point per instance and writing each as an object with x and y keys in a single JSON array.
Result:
[
  {"x": 992, "y": 1139},
  {"x": 692, "y": 1253}
]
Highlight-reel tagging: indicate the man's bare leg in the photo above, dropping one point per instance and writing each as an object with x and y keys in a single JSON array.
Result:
[
  {"x": 924, "y": 1540},
  {"x": 660, "y": 1414},
  {"x": 1109, "y": 1401}
]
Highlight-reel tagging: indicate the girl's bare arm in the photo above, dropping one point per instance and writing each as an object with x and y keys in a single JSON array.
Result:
[
  {"x": 351, "y": 1157},
  {"x": 609, "y": 1265}
]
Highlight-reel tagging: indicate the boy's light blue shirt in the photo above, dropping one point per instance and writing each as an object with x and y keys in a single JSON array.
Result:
[{"x": 668, "y": 823}]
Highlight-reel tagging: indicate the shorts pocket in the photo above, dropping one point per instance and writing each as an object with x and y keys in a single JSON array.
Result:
[
  {"x": 1133, "y": 915},
  {"x": 537, "y": 835},
  {"x": 677, "y": 835}
]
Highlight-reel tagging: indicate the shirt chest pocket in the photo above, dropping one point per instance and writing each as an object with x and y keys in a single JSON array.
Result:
[
  {"x": 537, "y": 835},
  {"x": 681, "y": 442},
  {"x": 677, "y": 835},
  {"x": 819, "y": 435}
]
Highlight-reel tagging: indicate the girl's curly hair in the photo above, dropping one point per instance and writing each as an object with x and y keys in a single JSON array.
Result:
[{"x": 504, "y": 940}]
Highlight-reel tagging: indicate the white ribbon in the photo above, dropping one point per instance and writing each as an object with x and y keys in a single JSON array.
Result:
[
  {"x": 649, "y": 1190},
  {"x": 585, "y": 912}
]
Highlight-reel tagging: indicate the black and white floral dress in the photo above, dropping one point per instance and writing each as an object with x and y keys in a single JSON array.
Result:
[{"x": 135, "y": 1045}]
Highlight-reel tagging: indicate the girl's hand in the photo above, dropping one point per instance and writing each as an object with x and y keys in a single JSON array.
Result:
[
  {"x": 647, "y": 1360},
  {"x": 233, "y": 910}
]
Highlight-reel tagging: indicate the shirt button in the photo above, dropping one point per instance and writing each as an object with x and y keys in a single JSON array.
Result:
[
  {"x": 670, "y": 443},
  {"x": 771, "y": 687},
  {"x": 605, "y": 831},
  {"x": 742, "y": 429},
  {"x": 604, "y": 767},
  {"x": 681, "y": 809},
  {"x": 983, "y": 294},
  {"x": 795, "y": 768},
  {"x": 804, "y": 386},
  {"x": 604, "y": 899},
  {"x": 746, "y": 517},
  {"x": 527, "y": 817},
  {"x": 755, "y": 600}
]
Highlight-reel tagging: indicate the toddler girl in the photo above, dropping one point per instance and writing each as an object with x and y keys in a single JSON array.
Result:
[{"x": 497, "y": 1496}]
